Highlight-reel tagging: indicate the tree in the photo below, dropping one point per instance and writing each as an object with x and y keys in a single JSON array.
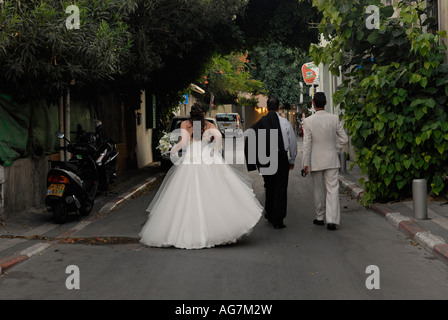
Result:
[
  {"x": 40, "y": 57},
  {"x": 160, "y": 46},
  {"x": 277, "y": 33},
  {"x": 394, "y": 94},
  {"x": 227, "y": 77},
  {"x": 175, "y": 40},
  {"x": 173, "y": 44},
  {"x": 279, "y": 69},
  {"x": 289, "y": 22}
]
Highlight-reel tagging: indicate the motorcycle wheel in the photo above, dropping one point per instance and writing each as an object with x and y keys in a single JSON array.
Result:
[{"x": 60, "y": 214}]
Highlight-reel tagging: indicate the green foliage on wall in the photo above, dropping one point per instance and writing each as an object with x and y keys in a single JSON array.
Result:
[{"x": 394, "y": 94}]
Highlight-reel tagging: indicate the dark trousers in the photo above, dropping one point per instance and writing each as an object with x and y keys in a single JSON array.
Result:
[{"x": 276, "y": 189}]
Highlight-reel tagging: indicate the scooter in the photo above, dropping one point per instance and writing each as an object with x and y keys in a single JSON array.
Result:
[
  {"x": 106, "y": 157},
  {"x": 72, "y": 185}
]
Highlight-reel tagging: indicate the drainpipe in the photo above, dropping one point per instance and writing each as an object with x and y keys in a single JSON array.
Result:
[
  {"x": 67, "y": 120},
  {"x": 2, "y": 193},
  {"x": 61, "y": 127}
]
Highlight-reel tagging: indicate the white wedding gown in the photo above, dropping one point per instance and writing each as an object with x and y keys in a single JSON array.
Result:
[{"x": 202, "y": 203}]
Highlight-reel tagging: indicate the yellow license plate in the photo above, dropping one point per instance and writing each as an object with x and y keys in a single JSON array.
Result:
[{"x": 56, "y": 190}]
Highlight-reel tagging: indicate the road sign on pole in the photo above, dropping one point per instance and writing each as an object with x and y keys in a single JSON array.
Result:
[{"x": 310, "y": 73}]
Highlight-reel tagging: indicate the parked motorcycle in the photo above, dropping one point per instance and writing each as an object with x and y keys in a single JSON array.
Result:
[
  {"x": 106, "y": 156},
  {"x": 72, "y": 185}
]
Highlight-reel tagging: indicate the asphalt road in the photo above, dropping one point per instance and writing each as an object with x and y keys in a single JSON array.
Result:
[{"x": 300, "y": 262}]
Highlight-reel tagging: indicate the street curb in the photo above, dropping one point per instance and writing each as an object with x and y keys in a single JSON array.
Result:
[
  {"x": 129, "y": 195},
  {"x": 11, "y": 261},
  {"x": 23, "y": 255},
  {"x": 433, "y": 244},
  {"x": 409, "y": 227},
  {"x": 355, "y": 191}
]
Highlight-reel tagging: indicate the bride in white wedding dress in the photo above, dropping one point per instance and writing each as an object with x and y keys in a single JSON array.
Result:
[{"x": 202, "y": 202}]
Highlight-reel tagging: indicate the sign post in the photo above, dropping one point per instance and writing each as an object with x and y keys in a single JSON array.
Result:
[
  {"x": 154, "y": 111},
  {"x": 212, "y": 104},
  {"x": 310, "y": 73}
]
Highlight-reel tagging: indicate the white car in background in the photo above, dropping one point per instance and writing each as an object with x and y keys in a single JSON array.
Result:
[{"x": 229, "y": 124}]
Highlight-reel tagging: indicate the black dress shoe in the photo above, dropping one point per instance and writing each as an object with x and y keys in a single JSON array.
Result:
[
  {"x": 279, "y": 226},
  {"x": 331, "y": 226},
  {"x": 318, "y": 222}
]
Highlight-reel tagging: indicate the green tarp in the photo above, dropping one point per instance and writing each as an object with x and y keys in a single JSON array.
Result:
[{"x": 28, "y": 130}]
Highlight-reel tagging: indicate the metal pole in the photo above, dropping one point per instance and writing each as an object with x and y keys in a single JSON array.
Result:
[
  {"x": 343, "y": 159},
  {"x": 61, "y": 127},
  {"x": 419, "y": 194},
  {"x": 212, "y": 98},
  {"x": 243, "y": 111},
  {"x": 67, "y": 121}
]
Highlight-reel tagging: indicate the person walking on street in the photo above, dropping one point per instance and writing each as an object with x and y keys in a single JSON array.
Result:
[
  {"x": 276, "y": 182},
  {"x": 324, "y": 137},
  {"x": 183, "y": 213}
]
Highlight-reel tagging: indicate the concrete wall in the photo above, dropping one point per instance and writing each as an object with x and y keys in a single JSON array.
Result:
[
  {"x": 184, "y": 109},
  {"x": 252, "y": 115},
  {"x": 23, "y": 186},
  {"x": 246, "y": 114},
  {"x": 443, "y": 21},
  {"x": 223, "y": 108}
]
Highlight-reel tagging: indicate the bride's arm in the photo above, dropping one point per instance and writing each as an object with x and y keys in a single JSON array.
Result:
[
  {"x": 184, "y": 139},
  {"x": 212, "y": 131}
]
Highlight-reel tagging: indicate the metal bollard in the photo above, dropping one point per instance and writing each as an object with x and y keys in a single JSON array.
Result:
[
  {"x": 419, "y": 195},
  {"x": 343, "y": 160}
]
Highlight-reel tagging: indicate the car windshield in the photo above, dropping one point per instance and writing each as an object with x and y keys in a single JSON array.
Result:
[{"x": 226, "y": 117}]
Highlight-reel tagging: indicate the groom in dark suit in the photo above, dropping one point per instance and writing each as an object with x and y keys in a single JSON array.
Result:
[{"x": 274, "y": 138}]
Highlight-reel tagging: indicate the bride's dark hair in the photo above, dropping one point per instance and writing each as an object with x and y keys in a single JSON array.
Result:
[{"x": 197, "y": 114}]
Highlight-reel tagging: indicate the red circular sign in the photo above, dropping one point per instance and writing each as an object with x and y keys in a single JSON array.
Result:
[{"x": 309, "y": 72}]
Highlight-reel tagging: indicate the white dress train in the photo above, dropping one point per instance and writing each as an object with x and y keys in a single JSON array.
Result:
[{"x": 203, "y": 202}]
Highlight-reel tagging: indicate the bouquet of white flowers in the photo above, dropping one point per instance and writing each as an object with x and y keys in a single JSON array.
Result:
[{"x": 167, "y": 142}]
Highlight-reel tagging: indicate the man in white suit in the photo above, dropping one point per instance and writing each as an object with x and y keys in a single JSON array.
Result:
[{"x": 323, "y": 138}]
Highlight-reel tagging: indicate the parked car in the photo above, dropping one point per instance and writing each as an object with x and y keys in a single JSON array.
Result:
[
  {"x": 229, "y": 124},
  {"x": 175, "y": 123}
]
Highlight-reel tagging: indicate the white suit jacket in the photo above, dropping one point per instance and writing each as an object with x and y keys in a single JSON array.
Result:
[{"x": 323, "y": 138}]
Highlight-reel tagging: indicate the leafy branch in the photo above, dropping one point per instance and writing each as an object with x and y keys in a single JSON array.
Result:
[{"x": 394, "y": 94}]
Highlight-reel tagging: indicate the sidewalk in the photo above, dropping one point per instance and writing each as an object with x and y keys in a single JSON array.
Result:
[
  {"x": 431, "y": 234},
  {"x": 28, "y": 233}
]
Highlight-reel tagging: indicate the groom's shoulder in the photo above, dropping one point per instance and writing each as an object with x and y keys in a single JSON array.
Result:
[
  {"x": 320, "y": 115},
  {"x": 259, "y": 123}
]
